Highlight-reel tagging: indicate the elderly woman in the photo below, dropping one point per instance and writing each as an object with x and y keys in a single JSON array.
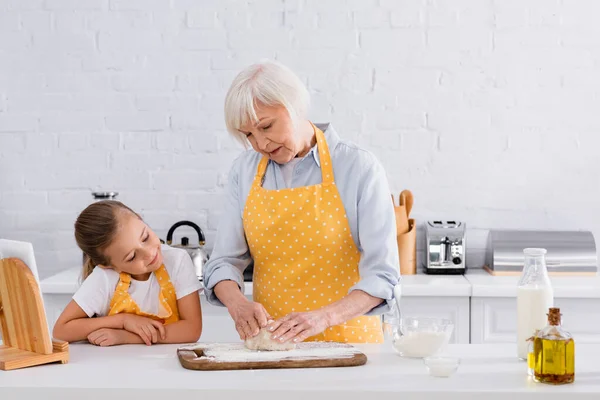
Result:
[{"x": 312, "y": 211}]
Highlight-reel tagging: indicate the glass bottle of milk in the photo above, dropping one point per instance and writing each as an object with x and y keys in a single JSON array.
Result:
[{"x": 534, "y": 297}]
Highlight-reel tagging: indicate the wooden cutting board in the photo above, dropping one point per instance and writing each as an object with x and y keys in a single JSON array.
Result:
[
  {"x": 23, "y": 327},
  {"x": 234, "y": 356}
]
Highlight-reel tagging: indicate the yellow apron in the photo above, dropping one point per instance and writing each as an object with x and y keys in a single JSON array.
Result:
[
  {"x": 122, "y": 302},
  {"x": 304, "y": 254}
]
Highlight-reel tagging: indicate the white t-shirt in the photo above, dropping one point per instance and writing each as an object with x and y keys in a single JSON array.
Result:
[{"x": 97, "y": 290}]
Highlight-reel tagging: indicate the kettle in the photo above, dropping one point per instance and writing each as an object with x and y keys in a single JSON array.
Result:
[{"x": 197, "y": 253}]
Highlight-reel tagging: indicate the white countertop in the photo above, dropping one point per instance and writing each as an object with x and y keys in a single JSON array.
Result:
[
  {"x": 435, "y": 285},
  {"x": 485, "y": 285},
  {"x": 476, "y": 283},
  {"x": 139, "y": 372},
  {"x": 67, "y": 282}
]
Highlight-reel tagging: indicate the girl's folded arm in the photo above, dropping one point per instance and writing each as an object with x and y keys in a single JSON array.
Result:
[
  {"x": 74, "y": 324},
  {"x": 189, "y": 327}
]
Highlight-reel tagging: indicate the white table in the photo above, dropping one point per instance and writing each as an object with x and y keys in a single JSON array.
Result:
[{"x": 137, "y": 372}]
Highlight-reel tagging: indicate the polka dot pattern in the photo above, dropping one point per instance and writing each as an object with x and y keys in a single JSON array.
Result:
[
  {"x": 304, "y": 254},
  {"x": 122, "y": 302}
]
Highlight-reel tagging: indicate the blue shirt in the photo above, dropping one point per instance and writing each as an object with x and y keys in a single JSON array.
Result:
[{"x": 364, "y": 190}]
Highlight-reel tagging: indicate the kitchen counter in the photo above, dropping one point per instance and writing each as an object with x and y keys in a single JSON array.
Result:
[
  {"x": 482, "y": 306},
  {"x": 423, "y": 295},
  {"x": 476, "y": 283},
  {"x": 485, "y": 285},
  {"x": 131, "y": 372},
  {"x": 67, "y": 282}
]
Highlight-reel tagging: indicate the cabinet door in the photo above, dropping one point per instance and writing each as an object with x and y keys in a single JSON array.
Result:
[
  {"x": 494, "y": 319},
  {"x": 581, "y": 317},
  {"x": 217, "y": 325},
  {"x": 455, "y": 309},
  {"x": 54, "y": 304}
]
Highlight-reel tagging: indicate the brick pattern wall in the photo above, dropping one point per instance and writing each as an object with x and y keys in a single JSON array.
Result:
[{"x": 486, "y": 109}]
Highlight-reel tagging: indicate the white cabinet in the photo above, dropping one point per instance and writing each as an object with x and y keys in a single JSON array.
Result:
[
  {"x": 423, "y": 296},
  {"x": 54, "y": 304},
  {"x": 494, "y": 307},
  {"x": 217, "y": 325},
  {"x": 494, "y": 319},
  {"x": 440, "y": 296},
  {"x": 455, "y": 309},
  {"x": 482, "y": 307}
]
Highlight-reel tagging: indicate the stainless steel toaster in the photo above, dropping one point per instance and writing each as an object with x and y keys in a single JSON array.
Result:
[{"x": 446, "y": 247}]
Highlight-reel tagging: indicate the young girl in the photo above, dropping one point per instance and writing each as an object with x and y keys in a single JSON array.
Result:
[{"x": 139, "y": 290}]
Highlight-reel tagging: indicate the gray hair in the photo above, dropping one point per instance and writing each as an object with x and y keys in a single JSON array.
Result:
[{"x": 269, "y": 83}]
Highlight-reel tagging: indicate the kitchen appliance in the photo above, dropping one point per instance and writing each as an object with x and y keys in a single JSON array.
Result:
[
  {"x": 197, "y": 253},
  {"x": 568, "y": 252},
  {"x": 446, "y": 247},
  {"x": 104, "y": 195},
  {"x": 249, "y": 272}
]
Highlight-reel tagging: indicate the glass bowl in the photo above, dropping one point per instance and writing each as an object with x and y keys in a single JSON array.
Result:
[
  {"x": 441, "y": 367},
  {"x": 418, "y": 337}
]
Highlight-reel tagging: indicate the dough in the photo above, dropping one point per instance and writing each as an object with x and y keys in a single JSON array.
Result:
[{"x": 263, "y": 341}]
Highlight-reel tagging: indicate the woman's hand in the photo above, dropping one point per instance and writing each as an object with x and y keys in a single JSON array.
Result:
[
  {"x": 146, "y": 328},
  {"x": 249, "y": 317},
  {"x": 298, "y": 327}
]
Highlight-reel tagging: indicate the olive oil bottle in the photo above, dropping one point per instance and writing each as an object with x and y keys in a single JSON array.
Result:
[
  {"x": 530, "y": 354},
  {"x": 554, "y": 352}
]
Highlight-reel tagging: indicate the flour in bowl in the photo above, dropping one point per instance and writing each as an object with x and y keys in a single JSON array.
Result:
[{"x": 420, "y": 344}]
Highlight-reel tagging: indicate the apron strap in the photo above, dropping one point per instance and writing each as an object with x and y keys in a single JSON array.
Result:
[
  {"x": 163, "y": 277},
  {"x": 324, "y": 155},
  {"x": 165, "y": 284},
  {"x": 124, "y": 281},
  {"x": 260, "y": 171}
]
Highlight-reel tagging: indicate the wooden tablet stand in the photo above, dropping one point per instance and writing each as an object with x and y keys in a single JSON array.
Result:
[{"x": 26, "y": 341}]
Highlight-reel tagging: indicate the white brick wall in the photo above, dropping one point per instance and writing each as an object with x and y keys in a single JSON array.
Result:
[{"x": 486, "y": 109}]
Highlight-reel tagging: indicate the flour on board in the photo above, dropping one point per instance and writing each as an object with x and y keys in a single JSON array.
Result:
[{"x": 237, "y": 352}]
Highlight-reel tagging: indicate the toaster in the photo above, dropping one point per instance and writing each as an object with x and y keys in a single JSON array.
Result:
[{"x": 446, "y": 247}]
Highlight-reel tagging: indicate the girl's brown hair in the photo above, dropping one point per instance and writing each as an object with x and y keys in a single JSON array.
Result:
[{"x": 95, "y": 229}]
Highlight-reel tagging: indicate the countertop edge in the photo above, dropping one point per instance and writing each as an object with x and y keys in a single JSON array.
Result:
[{"x": 474, "y": 284}]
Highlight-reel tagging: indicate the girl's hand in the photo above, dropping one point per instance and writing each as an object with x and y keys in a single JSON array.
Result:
[
  {"x": 108, "y": 337},
  {"x": 146, "y": 328}
]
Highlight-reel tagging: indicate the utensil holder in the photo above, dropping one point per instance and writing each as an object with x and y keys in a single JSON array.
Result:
[{"x": 407, "y": 249}]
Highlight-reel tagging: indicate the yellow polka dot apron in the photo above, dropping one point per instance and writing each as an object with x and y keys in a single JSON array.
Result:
[
  {"x": 122, "y": 302},
  {"x": 304, "y": 254}
]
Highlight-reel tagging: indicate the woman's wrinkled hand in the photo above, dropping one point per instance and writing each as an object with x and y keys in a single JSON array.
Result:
[
  {"x": 249, "y": 318},
  {"x": 298, "y": 327}
]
